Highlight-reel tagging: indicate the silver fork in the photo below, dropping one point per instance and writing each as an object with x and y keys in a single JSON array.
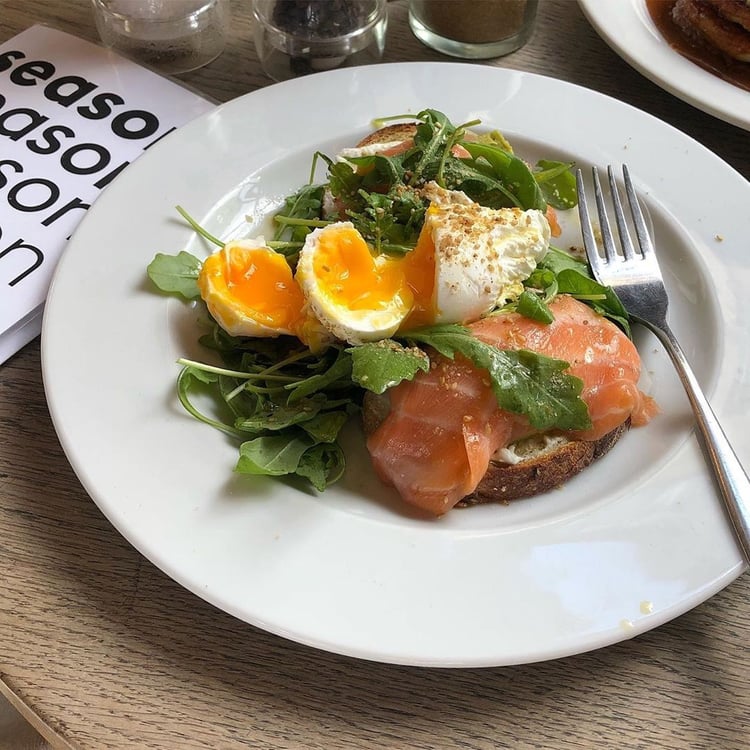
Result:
[{"x": 635, "y": 276}]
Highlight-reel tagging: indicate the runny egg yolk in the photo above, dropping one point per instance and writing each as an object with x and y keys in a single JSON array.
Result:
[
  {"x": 351, "y": 276},
  {"x": 250, "y": 291},
  {"x": 419, "y": 271}
]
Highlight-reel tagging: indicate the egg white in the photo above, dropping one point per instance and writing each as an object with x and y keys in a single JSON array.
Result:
[
  {"x": 482, "y": 255},
  {"x": 353, "y": 326},
  {"x": 238, "y": 319}
]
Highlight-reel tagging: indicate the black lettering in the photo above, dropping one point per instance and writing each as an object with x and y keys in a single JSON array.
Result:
[
  {"x": 7, "y": 58},
  {"x": 80, "y": 88},
  {"x": 156, "y": 140},
  {"x": 99, "y": 107},
  {"x": 149, "y": 124},
  {"x": 36, "y": 252},
  {"x": 50, "y": 137},
  {"x": 104, "y": 181},
  {"x": 9, "y": 162},
  {"x": 102, "y": 154},
  {"x": 33, "y": 121},
  {"x": 52, "y": 194},
  {"x": 29, "y": 73},
  {"x": 69, "y": 206}
]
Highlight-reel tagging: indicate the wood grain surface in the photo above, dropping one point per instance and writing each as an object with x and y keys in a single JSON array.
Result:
[{"x": 102, "y": 650}]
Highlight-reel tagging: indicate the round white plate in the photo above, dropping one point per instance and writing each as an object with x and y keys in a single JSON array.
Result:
[
  {"x": 627, "y": 28},
  {"x": 632, "y": 542}
]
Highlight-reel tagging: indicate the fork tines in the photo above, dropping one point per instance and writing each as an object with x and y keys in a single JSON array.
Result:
[{"x": 628, "y": 250}]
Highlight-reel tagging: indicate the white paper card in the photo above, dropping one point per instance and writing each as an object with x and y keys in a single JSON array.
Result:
[{"x": 73, "y": 115}]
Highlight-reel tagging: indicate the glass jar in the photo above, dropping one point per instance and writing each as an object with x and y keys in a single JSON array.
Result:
[
  {"x": 294, "y": 37},
  {"x": 473, "y": 29},
  {"x": 169, "y": 37}
]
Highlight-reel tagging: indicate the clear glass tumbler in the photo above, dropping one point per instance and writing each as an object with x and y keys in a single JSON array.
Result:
[
  {"x": 297, "y": 37},
  {"x": 170, "y": 36},
  {"x": 473, "y": 29}
]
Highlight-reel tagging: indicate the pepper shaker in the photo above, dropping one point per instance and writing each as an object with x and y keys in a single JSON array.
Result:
[{"x": 297, "y": 37}]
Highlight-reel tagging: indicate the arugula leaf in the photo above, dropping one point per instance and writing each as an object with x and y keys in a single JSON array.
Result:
[
  {"x": 532, "y": 306},
  {"x": 523, "y": 382},
  {"x": 176, "y": 273},
  {"x": 289, "y": 399},
  {"x": 340, "y": 369},
  {"x": 557, "y": 182},
  {"x": 274, "y": 416},
  {"x": 557, "y": 260},
  {"x": 325, "y": 427},
  {"x": 202, "y": 231},
  {"x": 344, "y": 183},
  {"x": 273, "y": 455},
  {"x": 382, "y": 364},
  {"x": 191, "y": 380},
  {"x": 387, "y": 213},
  {"x": 430, "y": 141},
  {"x": 277, "y": 455},
  {"x": 323, "y": 464},
  {"x": 510, "y": 171},
  {"x": 543, "y": 281},
  {"x": 298, "y": 217}
]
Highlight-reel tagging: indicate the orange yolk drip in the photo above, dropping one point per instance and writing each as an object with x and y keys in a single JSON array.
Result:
[
  {"x": 351, "y": 276},
  {"x": 259, "y": 281},
  {"x": 419, "y": 269}
]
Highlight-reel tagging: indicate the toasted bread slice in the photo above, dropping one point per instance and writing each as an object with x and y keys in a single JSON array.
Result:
[
  {"x": 401, "y": 131},
  {"x": 545, "y": 462},
  {"x": 529, "y": 467}
]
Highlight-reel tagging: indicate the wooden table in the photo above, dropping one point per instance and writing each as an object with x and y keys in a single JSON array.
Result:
[{"x": 100, "y": 649}]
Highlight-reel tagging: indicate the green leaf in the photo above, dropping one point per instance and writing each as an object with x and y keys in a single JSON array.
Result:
[
  {"x": 380, "y": 365},
  {"x": 544, "y": 281},
  {"x": 325, "y": 426},
  {"x": 322, "y": 464},
  {"x": 176, "y": 273},
  {"x": 198, "y": 228},
  {"x": 191, "y": 380},
  {"x": 281, "y": 455},
  {"x": 274, "y": 455},
  {"x": 274, "y": 416},
  {"x": 430, "y": 141},
  {"x": 340, "y": 369},
  {"x": 302, "y": 207},
  {"x": 523, "y": 382},
  {"x": 511, "y": 171},
  {"x": 557, "y": 182},
  {"x": 531, "y": 306},
  {"x": 557, "y": 260}
]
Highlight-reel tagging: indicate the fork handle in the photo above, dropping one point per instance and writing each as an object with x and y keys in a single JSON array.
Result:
[{"x": 733, "y": 482}]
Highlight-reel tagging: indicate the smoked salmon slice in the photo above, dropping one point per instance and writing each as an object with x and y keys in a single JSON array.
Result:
[{"x": 444, "y": 426}]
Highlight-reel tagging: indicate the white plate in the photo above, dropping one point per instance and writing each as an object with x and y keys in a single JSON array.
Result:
[
  {"x": 631, "y": 543},
  {"x": 627, "y": 27}
]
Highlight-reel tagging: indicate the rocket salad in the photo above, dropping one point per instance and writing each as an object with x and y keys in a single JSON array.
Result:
[{"x": 286, "y": 402}]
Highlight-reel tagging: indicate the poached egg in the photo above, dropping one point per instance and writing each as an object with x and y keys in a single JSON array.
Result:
[{"x": 468, "y": 260}]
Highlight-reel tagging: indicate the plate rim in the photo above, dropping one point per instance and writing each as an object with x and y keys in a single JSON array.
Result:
[{"x": 51, "y": 349}]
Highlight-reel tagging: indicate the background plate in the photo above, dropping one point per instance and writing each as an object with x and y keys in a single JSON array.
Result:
[
  {"x": 627, "y": 28},
  {"x": 635, "y": 540}
]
